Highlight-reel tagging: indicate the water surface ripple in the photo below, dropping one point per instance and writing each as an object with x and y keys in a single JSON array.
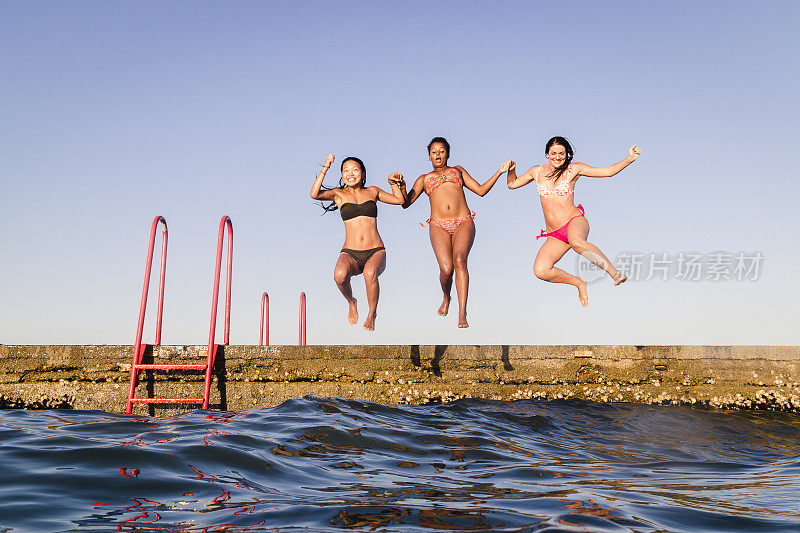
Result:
[{"x": 329, "y": 464}]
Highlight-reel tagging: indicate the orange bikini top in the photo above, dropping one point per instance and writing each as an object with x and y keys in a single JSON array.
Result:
[{"x": 451, "y": 175}]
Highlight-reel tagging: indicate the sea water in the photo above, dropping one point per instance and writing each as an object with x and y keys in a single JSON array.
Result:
[{"x": 330, "y": 464}]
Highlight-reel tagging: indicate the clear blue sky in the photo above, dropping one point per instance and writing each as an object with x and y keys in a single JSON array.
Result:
[{"x": 114, "y": 112}]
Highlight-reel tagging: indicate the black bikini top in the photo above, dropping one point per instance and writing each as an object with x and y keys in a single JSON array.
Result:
[{"x": 351, "y": 210}]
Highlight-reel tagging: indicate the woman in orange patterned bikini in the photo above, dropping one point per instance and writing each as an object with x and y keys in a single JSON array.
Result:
[
  {"x": 452, "y": 230},
  {"x": 566, "y": 224}
]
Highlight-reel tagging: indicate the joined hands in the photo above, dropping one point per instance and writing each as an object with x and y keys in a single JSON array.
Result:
[{"x": 397, "y": 179}]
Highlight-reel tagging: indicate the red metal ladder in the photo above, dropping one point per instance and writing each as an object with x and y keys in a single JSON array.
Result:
[
  {"x": 139, "y": 348},
  {"x": 263, "y": 332}
]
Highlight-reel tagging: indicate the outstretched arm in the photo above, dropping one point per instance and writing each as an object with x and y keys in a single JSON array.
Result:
[
  {"x": 316, "y": 192},
  {"x": 515, "y": 182},
  {"x": 416, "y": 192},
  {"x": 606, "y": 172},
  {"x": 398, "y": 185},
  {"x": 482, "y": 188}
]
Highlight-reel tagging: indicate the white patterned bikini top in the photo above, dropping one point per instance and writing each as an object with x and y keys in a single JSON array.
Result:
[{"x": 560, "y": 189}]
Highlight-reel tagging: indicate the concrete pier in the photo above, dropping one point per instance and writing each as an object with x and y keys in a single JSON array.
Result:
[{"x": 97, "y": 376}]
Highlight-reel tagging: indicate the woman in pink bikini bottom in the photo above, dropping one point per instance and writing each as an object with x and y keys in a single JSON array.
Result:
[{"x": 555, "y": 183}]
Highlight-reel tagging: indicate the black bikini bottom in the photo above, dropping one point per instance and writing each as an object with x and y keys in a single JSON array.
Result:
[{"x": 362, "y": 256}]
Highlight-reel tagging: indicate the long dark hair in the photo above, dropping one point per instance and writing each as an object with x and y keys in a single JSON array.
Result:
[
  {"x": 332, "y": 206},
  {"x": 444, "y": 142},
  {"x": 561, "y": 141}
]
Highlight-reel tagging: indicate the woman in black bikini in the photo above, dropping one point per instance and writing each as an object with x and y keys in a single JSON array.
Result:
[{"x": 363, "y": 251}]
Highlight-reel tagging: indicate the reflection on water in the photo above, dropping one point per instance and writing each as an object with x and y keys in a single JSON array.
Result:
[{"x": 329, "y": 464}]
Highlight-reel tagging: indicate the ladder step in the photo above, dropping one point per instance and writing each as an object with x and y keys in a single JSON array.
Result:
[
  {"x": 170, "y": 367},
  {"x": 166, "y": 400}
]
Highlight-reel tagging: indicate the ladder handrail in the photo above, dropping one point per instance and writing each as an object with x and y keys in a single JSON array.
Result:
[
  {"x": 302, "y": 321},
  {"x": 137, "y": 346},
  {"x": 263, "y": 340},
  {"x": 223, "y": 223},
  {"x": 148, "y": 268}
]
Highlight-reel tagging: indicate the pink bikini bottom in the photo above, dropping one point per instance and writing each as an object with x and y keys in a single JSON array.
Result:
[{"x": 561, "y": 233}]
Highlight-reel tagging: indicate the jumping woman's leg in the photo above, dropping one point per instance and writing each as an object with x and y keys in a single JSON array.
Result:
[
  {"x": 442, "y": 244},
  {"x": 577, "y": 232},
  {"x": 346, "y": 268},
  {"x": 463, "y": 238},
  {"x": 544, "y": 267},
  {"x": 374, "y": 268}
]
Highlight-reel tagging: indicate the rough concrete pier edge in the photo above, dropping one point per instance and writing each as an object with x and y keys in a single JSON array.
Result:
[{"x": 97, "y": 376}]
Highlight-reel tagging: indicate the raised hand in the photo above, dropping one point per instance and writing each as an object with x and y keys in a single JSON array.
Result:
[
  {"x": 316, "y": 190},
  {"x": 634, "y": 152},
  {"x": 508, "y": 165}
]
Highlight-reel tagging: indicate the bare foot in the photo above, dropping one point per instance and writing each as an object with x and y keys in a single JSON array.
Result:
[
  {"x": 369, "y": 323},
  {"x": 462, "y": 321},
  {"x": 620, "y": 278},
  {"x": 352, "y": 314},
  {"x": 444, "y": 307},
  {"x": 583, "y": 296}
]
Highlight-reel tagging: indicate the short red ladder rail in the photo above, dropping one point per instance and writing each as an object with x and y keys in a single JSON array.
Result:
[
  {"x": 263, "y": 340},
  {"x": 263, "y": 332},
  {"x": 302, "y": 321},
  {"x": 139, "y": 348}
]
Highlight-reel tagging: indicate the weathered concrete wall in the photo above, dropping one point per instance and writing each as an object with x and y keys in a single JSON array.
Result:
[{"x": 96, "y": 377}]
